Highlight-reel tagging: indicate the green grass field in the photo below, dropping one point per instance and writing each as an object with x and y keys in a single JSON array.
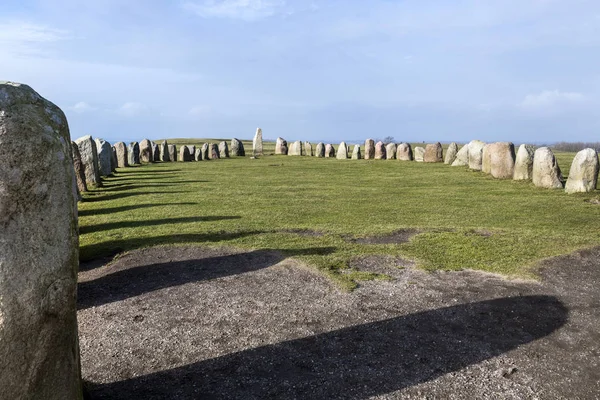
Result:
[{"x": 312, "y": 209}]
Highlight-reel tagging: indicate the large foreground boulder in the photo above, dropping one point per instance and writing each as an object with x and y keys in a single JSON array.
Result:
[
  {"x": 281, "y": 146},
  {"x": 369, "y": 149},
  {"x": 451, "y": 153},
  {"x": 404, "y": 152},
  {"x": 308, "y": 150},
  {"x": 390, "y": 151},
  {"x": 320, "y": 150},
  {"x": 237, "y": 148},
  {"x": 257, "y": 143},
  {"x": 79, "y": 168},
  {"x": 172, "y": 152},
  {"x": 39, "y": 351},
  {"x": 356, "y": 152},
  {"x": 501, "y": 157},
  {"x": 146, "y": 151},
  {"x": 342, "y": 152},
  {"x": 329, "y": 151},
  {"x": 121, "y": 150},
  {"x": 89, "y": 158},
  {"x": 462, "y": 157},
  {"x": 104, "y": 157},
  {"x": 433, "y": 153},
  {"x": 133, "y": 153},
  {"x": 223, "y": 150},
  {"x": 419, "y": 154},
  {"x": 164, "y": 152},
  {"x": 524, "y": 163},
  {"x": 476, "y": 154},
  {"x": 380, "y": 151},
  {"x": 583, "y": 176},
  {"x": 546, "y": 172}
]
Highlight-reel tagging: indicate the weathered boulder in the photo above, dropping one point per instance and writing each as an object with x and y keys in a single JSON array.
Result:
[
  {"x": 198, "y": 154},
  {"x": 213, "y": 151},
  {"x": 146, "y": 151},
  {"x": 104, "y": 150},
  {"x": 501, "y": 157},
  {"x": 356, "y": 152},
  {"x": 419, "y": 154},
  {"x": 205, "y": 151},
  {"x": 329, "y": 151},
  {"x": 583, "y": 176},
  {"x": 451, "y": 153},
  {"x": 172, "y": 152},
  {"x": 308, "y": 150},
  {"x": 524, "y": 163},
  {"x": 546, "y": 172},
  {"x": 39, "y": 351},
  {"x": 379, "y": 151},
  {"x": 184, "y": 154},
  {"x": 369, "y": 149},
  {"x": 390, "y": 150},
  {"x": 164, "y": 152},
  {"x": 133, "y": 153},
  {"x": 476, "y": 154},
  {"x": 192, "y": 150},
  {"x": 155, "y": 152},
  {"x": 295, "y": 149},
  {"x": 113, "y": 159},
  {"x": 237, "y": 148},
  {"x": 404, "y": 152},
  {"x": 486, "y": 159},
  {"x": 462, "y": 157},
  {"x": 223, "y": 150},
  {"x": 79, "y": 168},
  {"x": 257, "y": 143},
  {"x": 320, "y": 150},
  {"x": 342, "y": 152},
  {"x": 121, "y": 149},
  {"x": 281, "y": 147},
  {"x": 433, "y": 153},
  {"x": 89, "y": 158}
]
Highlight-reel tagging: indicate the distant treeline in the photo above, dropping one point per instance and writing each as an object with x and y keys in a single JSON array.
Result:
[{"x": 575, "y": 146}]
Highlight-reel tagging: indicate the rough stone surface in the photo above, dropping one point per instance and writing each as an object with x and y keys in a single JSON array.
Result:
[
  {"x": 419, "y": 154},
  {"x": 320, "y": 150},
  {"x": 546, "y": 172},
  {"x": 89, "y": 158},
  {"x": 164, "y": 152},
  {"x": 146, "y": 151},
  {"x": 433, "y": 153},
  {"x": 379, "y": 151},
  {"x": 205, "y": 151},
  {"x": 237, "y": 148},
  {"x": 451, "y": 153},
  {"x": 342, "y": 152},
  {"x": 155, "y": 152},
  {"x": 223, "y": 150},
  {"x": 476, "y": 154},
  {"x": 404, "y": 152},
  {"x": 501, "y": 158},
  {"x": 79, "y": 168},
  {"x": 524, "y": 163},
  {"x": 39, "y": 352},
  {"x": 198, "y": 154},
  {"x": 192, "y": 150},
  {"x": 184, "y": 154},
  {"x": 295, "y": 149},
  {"x": 281, "y": 147},
  {"x": 133, "y": 153},
  {"x": 257, "y": 143},
  {"x": 172, "y": 152},
  {"x": 213, "y": 151},
  {"x": 113, "y": 159},
  {"x": 104, "y": 150},
  {"x": 390, "y": 150},
  {"x": 122, "y": 160},
  {"x": 462, "y": 157},
  {"x": 369, "y": 149},
  {"x": 329, "y": 151},
  {"x": 308, "y": 149},
  {"x": 356, "y": 152},
  {"x": 583, "y": 176}
]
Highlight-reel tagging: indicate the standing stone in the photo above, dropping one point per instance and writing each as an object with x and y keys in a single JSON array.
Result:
[
  {"x": 434, "y": 153},
  {"x": 295, "y": 149},
  {"x": 198, "y": 154},
  {"x": 546, "y": 172},
  {"x": 342, "y": 153},
  {"x": 379, "y": 151},
  {"x": 486, "y": 160},
  {"x": 356, "y": 152},
  {"x": 524, "y": 163},
  {"x": 281, "y": 147},
  {"x": 501, "y": 159},
  {"x": 192, "y": 150},
  {"x": 583, "y": 176},
  {"x": 223, "y": 150},
  {"x": 146, "y": 151},
  {"x": 476, "y": 154},
  {"x": 79, "y": 168},
  {"x": 369, "y": 149},
  {"x": 164, "y": 152},
  {"x": 462, "y": 157},
  {"x": 257, "y": 143},
  {"x": 419, "y": 154},
  {"x": 104, "y": 150},
  {"x": 308, "y": 149},
  {"x": 451, "y": 153},
  {"x": 155, "y": 152},
  {"x": 133, "y": 153},
  {"x": 184, "y": 154},
  {"x": 89, "y": 158},
  {"x": 172, "y": 152},
  {"x": 213, "y": 151},
  {"x": 39, "y": 351},
  {"x": 320, "y": 150},
  {"x": 113, "y": 159},
  {"x": 390, "y": 151},
  {"x": 121, "y": 150},
  {"x": 404, "y": 152},
  {"x": 237, "y": 148},
  {"x": 205, "y": 151},
  {"x": 329, "y": 151}
]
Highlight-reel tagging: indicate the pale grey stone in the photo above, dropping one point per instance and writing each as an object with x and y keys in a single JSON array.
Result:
[
  {"x": 104, "y": 150},
  {"x": 501, "y": 159},
  {"x": 451, "y": 153},
  {"x": 419, "y": 154},
  {"x": 308, "y": 150},
  {"x": 237, "y": 148},
  {"x": 476, "y": 154},
  {"x": 434, "y": 153},
  {"x": 146, "y": 151},
  {"x": 89, "y": 158},
  {"x": 380, "y": 151},
  {"x": 223, "y": 150},
  {"x": 356, "y": 152},
  {"x": 281, "y": 146},
  {"x": 121, "y": 149},
  {"x": 184, "y": 154},
  {"x": 342, "y": 152},
  {"x": 462, "y": 157},
  {"x": 205, "y": 151},
  {"x": 133, "y": 153},
  {"x": 329, "y": 151},
  {"x": 404, "y": 152},
  {"x": 320, "y": 150},
  {"x": 390, "y": 151},
  {"x": 213, "y": 151},
  {"x": 546, "y": 172},
  {"x": 164, "y": 152},
  {"x": 295, "y": 149},
  {"x": 524, "y": 163},
  {"x": 198, "y": 154},
  {"x": 257, "y": 143},
  {"x": 583, "y": 176},
  {"x": 369, "y": 149},
  {"x": 79, "y": 169},
  {"x": 172, "y": 152}
]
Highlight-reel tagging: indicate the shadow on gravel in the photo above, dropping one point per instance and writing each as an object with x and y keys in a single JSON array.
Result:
[
  {"x": 359, "y": 361},
  {"x": 112, "y": 210},
  {"x": 152, "y": 222},
  {"x": 126, "y": 283}
]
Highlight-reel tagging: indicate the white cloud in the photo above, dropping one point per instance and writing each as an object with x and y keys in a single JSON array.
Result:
[
  {"x": 248, "y": 10},
  {"x": 19, "y": 37},
  {"x": 81, "y": 107},
  {"x": 550, "y": 98},
  {"x": 132, "y": 109}
]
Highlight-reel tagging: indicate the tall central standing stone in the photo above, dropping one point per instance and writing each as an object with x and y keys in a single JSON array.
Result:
[
  {"x": 146, "y": 151},
  {"x": 89, "y": 158},
  {"x": 342, "y": 153},
  {"x": 121, "y": 150},
  {"x": 257, "y": 143},
  {"x": 369, "y": 149},
  {"x": 39, "y": 352},
  {"x": 164, "y": 152},
  {"x": 104, "y": 156}
]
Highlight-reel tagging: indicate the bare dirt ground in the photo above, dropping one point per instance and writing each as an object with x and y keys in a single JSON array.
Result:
[{"x": 200, "y": 323}]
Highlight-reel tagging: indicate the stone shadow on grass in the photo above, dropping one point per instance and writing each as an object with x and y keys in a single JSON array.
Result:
[
  {"x": 357, "y": 362},
  {"x": 112, "y": 210},
  {"x": 145, "y": 171},
  {"x": 152, "y": 222},
  {"x": 100, "y": 196},
  {"x": 127, "y": 282}
]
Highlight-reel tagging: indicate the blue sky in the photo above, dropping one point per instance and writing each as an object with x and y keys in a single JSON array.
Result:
[{"x": 417, "y": 70}]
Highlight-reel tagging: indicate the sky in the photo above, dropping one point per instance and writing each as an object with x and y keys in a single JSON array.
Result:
[{"x": 526, "y": 71}]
